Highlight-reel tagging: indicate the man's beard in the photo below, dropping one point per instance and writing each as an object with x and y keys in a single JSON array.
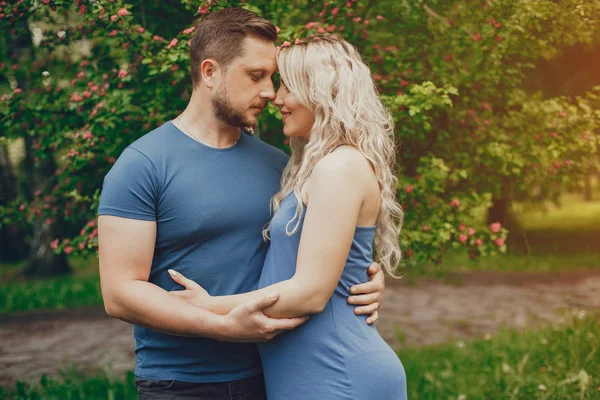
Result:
[{"x": 225, "y": 112}]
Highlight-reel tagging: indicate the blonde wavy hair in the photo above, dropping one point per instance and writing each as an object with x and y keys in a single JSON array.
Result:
[{"x": 328, "y": 76}]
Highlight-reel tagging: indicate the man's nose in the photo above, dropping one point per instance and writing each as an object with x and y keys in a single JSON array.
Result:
[{"x": 267, "y": 94}]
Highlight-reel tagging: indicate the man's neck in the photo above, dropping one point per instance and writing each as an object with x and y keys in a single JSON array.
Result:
[{"x": 199, "y": 122}]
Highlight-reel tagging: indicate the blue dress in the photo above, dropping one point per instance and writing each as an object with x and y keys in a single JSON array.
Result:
[{"x": 335, "y": 355}]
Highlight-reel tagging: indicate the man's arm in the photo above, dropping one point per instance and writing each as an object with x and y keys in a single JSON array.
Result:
[{"x": 126, "y": 250}]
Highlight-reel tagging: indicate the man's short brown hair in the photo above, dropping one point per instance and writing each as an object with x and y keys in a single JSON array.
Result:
[{"x": 219, "y": 36}]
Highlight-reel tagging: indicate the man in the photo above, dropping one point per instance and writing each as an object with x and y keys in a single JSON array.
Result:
[{"x": 193, "y": 195}]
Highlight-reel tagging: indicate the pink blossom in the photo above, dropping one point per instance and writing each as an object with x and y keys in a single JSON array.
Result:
[
  {"x": 54, "y": 244},
  {"x": 462, "y": 238},
  {"x": 479, "y": 242},
  {"x": 495, "y": 227},
  {"x": 76, "y": 97},
  {"x": 140, "y": 30},
  {"x": 87, "y": 135},
  {"x": 335, "y": 11},
  {"x": 157, "y": 38},
  {"x": 357, "y": 19},
  {"x": 113, "y": 18},
  {"x": 68, "y": 249},
  {"x": 84, "y": 63},
  {"x": 203, "y": 10},
  {"x": 320, "y": 30},
  {"x": 123, "y": 12},
  {"x": 81, "y": 246},
  {"x": 189, "y": 30},
  {"x": 403, "y": 82},
  {"x": 122, "y": 74},
  {"x": 409, "y": 188},
  {"x": 87, "y": 94},
  {"x": 172, "y": 44},
  {"x": 586, "y": 136},
  {"x": 379, "y": 17},
  {"x": 18, "y": 91},
  {"x": 461, "y": 227},
  {"x": 285, "y": 44},
  {"x": 425, "y": 228},
  {"x": 499, "y": 242},
  {"x": 476, "y": 37},
  {"x": 310, "y": 25},
  {"x": 113, "y": 33},
  {"x": 471, "y": 231},
  {"x": 330, "y": 28},
  {"x": 454, "y": 203},
  {"x": 277, "y": 30}
]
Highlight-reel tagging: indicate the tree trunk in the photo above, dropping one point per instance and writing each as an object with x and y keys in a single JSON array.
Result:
[
  {"x": 587, "y": 187},
  {"x": 41, "y": 259},
  {"x": 12, "y": 237},
  {"x": 501, "y": 211}
]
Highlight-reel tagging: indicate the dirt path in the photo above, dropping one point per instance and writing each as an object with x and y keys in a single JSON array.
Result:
[{"x": 431, "y": 312}]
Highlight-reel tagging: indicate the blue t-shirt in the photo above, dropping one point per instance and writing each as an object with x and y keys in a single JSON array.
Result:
[{"x": 210, "y": 206}]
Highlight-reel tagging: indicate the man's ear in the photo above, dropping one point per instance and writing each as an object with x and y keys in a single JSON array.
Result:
[{"x": 210, "y": 71}]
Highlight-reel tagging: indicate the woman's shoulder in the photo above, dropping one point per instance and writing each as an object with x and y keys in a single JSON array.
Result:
[
  {"x": 344, "y": 160},
  {"x": 344, "y": 165}
]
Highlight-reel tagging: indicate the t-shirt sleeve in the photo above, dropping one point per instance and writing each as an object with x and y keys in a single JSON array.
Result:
[{"x": 130, "y": 188}]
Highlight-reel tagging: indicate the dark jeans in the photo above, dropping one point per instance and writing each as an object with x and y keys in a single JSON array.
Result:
[{"x": 245, "y": 389}]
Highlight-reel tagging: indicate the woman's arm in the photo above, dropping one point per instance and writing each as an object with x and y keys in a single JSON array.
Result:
[{"x": 335, "y": 196}]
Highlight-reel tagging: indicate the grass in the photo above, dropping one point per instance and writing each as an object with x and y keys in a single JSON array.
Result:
[
  {"x": 80, "y": 289},
  {"x": 545, "y": 262},
  {"x": 75, "y": 385},
  {"x": 559, "y": 362},
  {"x": 554, "y": 363}
]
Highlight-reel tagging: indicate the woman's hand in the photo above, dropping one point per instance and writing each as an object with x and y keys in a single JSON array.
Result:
[{"x": 193, "y": 293}]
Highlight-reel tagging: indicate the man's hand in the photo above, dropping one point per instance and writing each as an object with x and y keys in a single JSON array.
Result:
[
  {"x": 369, "y": 295},
  {"x": 247, "y": 323}
]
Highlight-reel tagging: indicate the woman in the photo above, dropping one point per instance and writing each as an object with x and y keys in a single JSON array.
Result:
[{"x": 337, "y": 197}]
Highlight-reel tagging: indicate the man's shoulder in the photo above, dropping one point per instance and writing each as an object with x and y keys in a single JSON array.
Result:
[
  {"x": 268, "y": 150},
  {"x": 153, "y": 142}
]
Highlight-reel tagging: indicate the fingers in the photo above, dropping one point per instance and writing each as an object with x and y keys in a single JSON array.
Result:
[
  {"x": 182, "y": 294},
  {"x": 365, "y": 299},
  {"x": 286, "y": 324},
  {"x": 182, "y": 280},
  {"x": 366, "y": 310},
  {"x": 263, "y": 302},
  {"x": 373, "y": 318},
  {"x": 366, "y": 288},
  {"x": 374, "y": 268}
]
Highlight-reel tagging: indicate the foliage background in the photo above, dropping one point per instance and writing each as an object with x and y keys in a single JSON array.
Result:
[{"x": 83, "y": 79}]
